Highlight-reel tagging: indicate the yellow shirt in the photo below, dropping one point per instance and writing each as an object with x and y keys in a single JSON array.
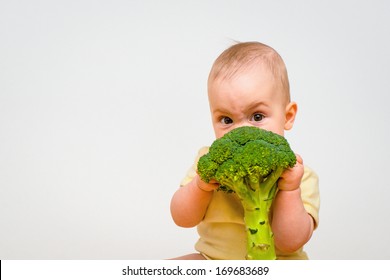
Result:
[{"x": 222, "y": 232}]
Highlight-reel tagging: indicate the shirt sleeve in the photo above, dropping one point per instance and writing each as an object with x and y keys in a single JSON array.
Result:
[
  {"x": 310, "y": 194},
  {"x": 192, "y": 171}
]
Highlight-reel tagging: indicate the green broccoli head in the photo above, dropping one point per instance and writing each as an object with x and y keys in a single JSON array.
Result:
[
  {"x": 248, "y": 161},
  {"x": 246, "y": 153}
]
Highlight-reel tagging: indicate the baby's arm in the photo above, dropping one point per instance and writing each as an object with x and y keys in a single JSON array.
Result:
[
  {"x": 190, "y": 202},
  {"x": 291, "y": 224}
]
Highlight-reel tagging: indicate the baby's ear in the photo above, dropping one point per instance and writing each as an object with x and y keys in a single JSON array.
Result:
[{"x": 291, "y": 112}]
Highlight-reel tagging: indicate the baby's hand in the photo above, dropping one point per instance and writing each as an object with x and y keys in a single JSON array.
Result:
[
  {"x": 207, "y": 187},
  {"x": 291, "y": 178}
]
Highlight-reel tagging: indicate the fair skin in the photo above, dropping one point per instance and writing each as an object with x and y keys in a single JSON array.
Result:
[{"x": 251, "y": 98}]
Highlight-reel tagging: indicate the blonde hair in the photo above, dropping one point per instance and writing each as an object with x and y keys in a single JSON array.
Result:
[{"x": 242, "y": 56}]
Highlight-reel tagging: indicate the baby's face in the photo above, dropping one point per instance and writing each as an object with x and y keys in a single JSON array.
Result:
[{"x": 251, "y": 98}]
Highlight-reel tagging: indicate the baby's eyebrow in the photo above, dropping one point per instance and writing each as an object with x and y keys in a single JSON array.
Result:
[
  {"x": 257, "y": 104},
  {"x": 220, "y": 112}
]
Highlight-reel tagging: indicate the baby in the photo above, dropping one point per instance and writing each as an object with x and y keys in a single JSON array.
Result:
[{"x": 248, "y": 86}]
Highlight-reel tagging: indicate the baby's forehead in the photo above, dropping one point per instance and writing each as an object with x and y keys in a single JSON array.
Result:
[
  {"x": 250, "y": 71},
  {"x": 225, "y": 69},
  {"x": 254, "y": 70}
]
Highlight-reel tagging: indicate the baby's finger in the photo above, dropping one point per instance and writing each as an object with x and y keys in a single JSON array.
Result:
[{"x": 299, "y": 159}]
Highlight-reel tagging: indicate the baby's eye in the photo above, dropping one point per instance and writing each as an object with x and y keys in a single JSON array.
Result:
[
  {"x": 257, "y": 117},
  {"x": 226, "y": 120}
]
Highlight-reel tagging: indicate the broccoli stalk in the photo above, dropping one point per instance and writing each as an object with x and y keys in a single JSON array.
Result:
[{"x": 248, "y": 161}]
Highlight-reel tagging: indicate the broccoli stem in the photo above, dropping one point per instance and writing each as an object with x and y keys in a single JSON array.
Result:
[{"x": 260, "y": 238}]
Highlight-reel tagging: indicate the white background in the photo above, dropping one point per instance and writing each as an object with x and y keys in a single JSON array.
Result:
[{"x": 103, "y": 107}]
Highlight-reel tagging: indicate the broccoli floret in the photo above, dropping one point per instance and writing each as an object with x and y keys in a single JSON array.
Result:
[{"x": 249, "y": 161}]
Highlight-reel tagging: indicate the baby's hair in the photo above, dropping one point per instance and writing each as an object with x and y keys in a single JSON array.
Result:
[{"x": 242, "y": 56}]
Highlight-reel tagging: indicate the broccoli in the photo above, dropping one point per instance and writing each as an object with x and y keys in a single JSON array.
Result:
[{"x": 248, "y": 161}]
